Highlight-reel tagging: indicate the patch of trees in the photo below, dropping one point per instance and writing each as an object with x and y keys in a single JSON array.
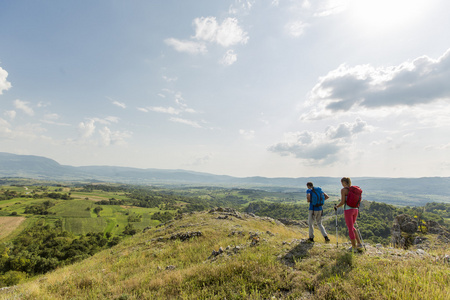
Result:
[
  {"x": 43, "y": 247},
  {"x": 279, "y": 210},
  {"x": 111, "y": 201},
  {"x": 39, "y": 209},
  {"x": 8, "y": 195},
  {"x": 129, "y": 230},
  {"x": 52, "y": 195},
  {"x": 105, "y": 187},
  {"x": 162, "y": 217},
  {"x": 134, "y": 217},
  {"x": 97, "y": 210},
  {"x": 198, "y": 204},
  {"x": 442, "y": 209},
  {"x": 136, "y": 196}
]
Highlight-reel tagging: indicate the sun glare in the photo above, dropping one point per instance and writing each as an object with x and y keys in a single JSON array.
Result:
[{"x": 384, "y": 15}]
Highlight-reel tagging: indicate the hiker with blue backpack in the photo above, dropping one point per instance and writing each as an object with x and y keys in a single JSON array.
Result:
[
  {"x": 316, "y": 198},
  {"x": 350, "y": 199}
]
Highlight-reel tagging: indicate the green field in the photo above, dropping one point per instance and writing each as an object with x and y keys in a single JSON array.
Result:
[{"x": 77, "y": 215}]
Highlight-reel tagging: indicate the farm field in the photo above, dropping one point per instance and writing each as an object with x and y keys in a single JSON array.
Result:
[
  {"x": 76, "y": 212},
  {"x": 9, "y": 224}
]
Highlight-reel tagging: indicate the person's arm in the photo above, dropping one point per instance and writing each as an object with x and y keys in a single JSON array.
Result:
[
  {"x": 344, "y": 193},
  {"x": 326, "y": 196},
  {"x": 308, "y": 197}
]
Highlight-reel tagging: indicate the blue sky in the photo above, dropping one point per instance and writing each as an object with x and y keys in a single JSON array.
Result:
[{"x": 241, "y": 88}]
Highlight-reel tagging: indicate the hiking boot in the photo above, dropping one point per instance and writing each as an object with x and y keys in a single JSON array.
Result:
[
  {"x": 356, "y": 250},
  {"x": 327, "y": 239},
  {"x": 311, "y": 240}
]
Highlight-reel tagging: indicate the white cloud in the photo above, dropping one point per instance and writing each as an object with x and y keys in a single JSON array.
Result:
[
  {"x": 346, "y": 130},
  {"x": 43, "y": 104},
  {"x": 296, "y": 28},
  {"x": 23, "y": 106},
  {"x": 275, "y": 2},
  {"x": 110, "y": 119},
  {"x": 52, "y": 119},
  {"x": 51, "y": 116},
  {"x": 5, "y": 127},
  {"x": 306, "y": 4},
  {"x": 142, "y": 109},
  {"x": 109, "y": 137},
  {"x": 10, "y": 114},
  {"x": 438, "y": 147},
  {"x": 170, "y": 79},
  {"x": 206, "y": 28},
  {"x": 187, "y": 122},
  {"x": 186, "y": 46},
  {"x": 104, "y": 136},
  {"x": 229, "y": 58},
  {"x": 87, "y": 128},
  {"x": 179, "y": 100},
  {"x": 424, "y": 80},
  {"x": 241, "y": 6},
  {"x": 331, "y": 7},
  {"x": 247, "y": 134},
  {"x": 227, "y": 34},
  {"x": 201, "y": 160},
  {"x": 4, "y": 84},
  {"x": 190, "y": 110},
  {"x": 309, "y": 146},
  {"x": 166, "y": 110},
  {"x": 25, "y": 132},
  {"x": 319, "y": 148},
  {"x": 119, "y": 104}
]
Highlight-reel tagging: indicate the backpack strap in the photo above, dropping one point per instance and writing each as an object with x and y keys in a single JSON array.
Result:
[
  {"x": 345, "y": 204},
  {"x": 314, "y": 191}
]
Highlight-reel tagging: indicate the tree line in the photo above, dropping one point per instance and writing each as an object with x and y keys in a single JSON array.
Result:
[{"x": 44, "y": 247}]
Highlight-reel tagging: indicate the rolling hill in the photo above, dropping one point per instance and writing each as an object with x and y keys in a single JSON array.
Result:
[{"x": 402, "y": 191}]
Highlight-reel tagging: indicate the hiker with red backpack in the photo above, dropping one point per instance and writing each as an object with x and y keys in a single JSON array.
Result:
[
  {"x": 316, "y": 198},
  {"x": 350, "y": 199}
]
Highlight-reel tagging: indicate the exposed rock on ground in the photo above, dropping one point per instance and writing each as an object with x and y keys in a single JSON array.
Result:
[{"x": 406, "y": 232}]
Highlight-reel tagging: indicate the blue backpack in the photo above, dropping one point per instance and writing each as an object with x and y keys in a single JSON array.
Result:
[{"x": 317, "y": 197}]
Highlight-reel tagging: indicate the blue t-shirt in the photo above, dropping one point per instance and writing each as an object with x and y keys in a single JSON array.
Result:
[{"x": 311, "y": 207}]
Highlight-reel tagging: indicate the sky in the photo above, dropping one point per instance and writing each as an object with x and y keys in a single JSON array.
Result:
[{"x": 278, "y": 88}]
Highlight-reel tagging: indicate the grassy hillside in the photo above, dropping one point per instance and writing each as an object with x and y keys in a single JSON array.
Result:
[{"x": 228, "y": 255}]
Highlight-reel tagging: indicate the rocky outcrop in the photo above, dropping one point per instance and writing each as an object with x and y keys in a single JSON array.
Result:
[
  {"x": 184, "y": 236},
  {"x": 407, "y": 223},
  {"x": 404, "y": 231},
  {"x": 442, "y": 234},
  {"x": 226, "y": 212}
]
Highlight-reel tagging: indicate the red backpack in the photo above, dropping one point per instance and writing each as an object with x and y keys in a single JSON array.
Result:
[{"x": 354, "y": 196}]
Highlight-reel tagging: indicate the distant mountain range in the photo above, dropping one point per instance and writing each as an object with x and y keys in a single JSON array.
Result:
[{"x": 405, "y": 191}]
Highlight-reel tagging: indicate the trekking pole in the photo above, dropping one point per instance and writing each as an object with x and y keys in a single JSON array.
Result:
[
  {"x": 337, "y": 242},
  {"x": 360, "y": 236}
]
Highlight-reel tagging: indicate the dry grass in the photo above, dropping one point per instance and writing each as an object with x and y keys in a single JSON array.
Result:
[
  {"x": 278, "y": 267},
  {"x": 9, "y": 224}
]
